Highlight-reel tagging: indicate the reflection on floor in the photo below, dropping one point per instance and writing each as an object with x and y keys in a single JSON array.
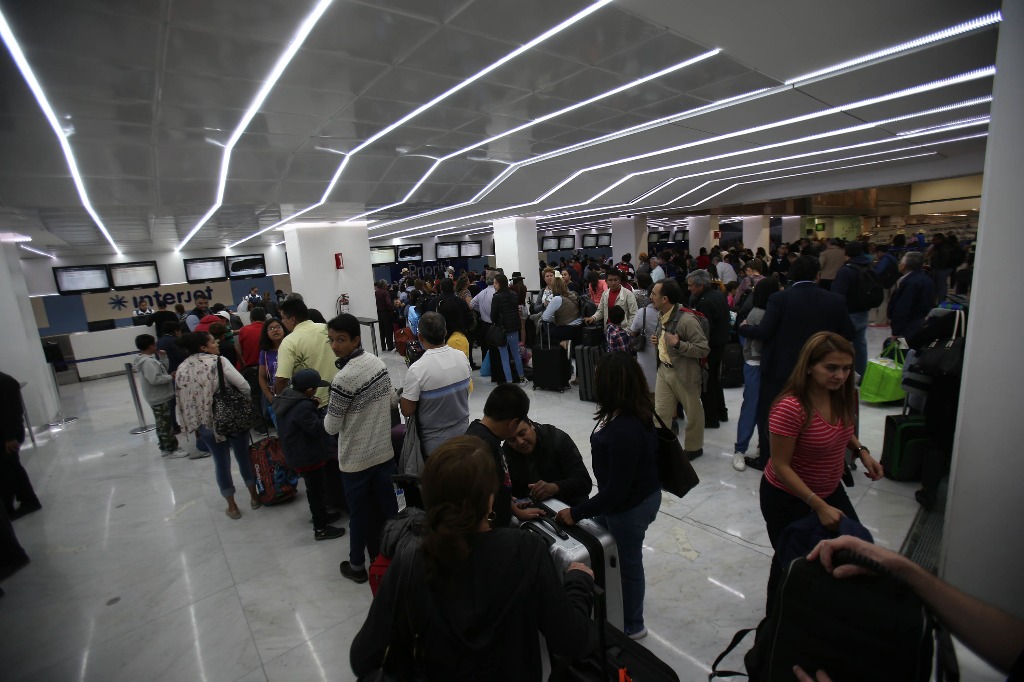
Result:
[{"x": 137, "y": 574}]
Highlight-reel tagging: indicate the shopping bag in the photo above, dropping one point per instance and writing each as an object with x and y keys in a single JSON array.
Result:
[
  {"x": 485, "y": 366},
  {"x": 883, "y": 378}
]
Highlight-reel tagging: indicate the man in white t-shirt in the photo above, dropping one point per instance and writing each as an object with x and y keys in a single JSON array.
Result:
[{"x": 437, "y": 387}]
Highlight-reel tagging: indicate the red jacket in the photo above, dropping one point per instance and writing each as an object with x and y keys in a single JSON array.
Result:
[{"x": 249, "y": 340}]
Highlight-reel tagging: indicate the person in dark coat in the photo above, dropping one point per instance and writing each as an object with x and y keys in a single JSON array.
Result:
[
  {"x": 384, "y": 311},
  {"x": 307, "y": 447},
  {"x": 792, "y": 317},
  {"x": 544, "y": 462},
  {"x": 14, "y": 481},
  {"x": 707, "y": 299},
  {"x": 913, "y": 297},
  {"x": 847, "y": 285}
]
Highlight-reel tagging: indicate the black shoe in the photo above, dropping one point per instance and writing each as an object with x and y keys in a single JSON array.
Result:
[
  {"x": 25, "y": 509},
  {"x": 693, "y": 454},
  {"x": 711, "y": 424},
  {"x": 723, "y": 416},
  {"x": 754, "y": 463},
  {"x": 360, "y": 576},
  {"x": 925, "y": 500},
  {"x": 328, "y": 533}
]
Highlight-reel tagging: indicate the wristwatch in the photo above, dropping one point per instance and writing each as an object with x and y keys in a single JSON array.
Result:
[{"x": 863, "y": 449}]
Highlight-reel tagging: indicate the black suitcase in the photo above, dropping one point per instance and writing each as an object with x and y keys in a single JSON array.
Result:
[
  {"x": 593, "y": 336},
  {"x": 732, "y": 365},
  {"x": 587, "y": 358},
  {"x": 905, "y": 446},
  {"x": 551, "y": 368}
]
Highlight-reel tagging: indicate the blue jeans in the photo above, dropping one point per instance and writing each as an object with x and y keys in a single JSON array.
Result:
[
  {"x": 237, "y": 443},
  {"x": 860, "y": 341},
  {"x": 371, "y": 502},
  {"x": 511, "y": 344},
  {"x": 748, "y": 412},
  {"x": 629, "y": 529}
]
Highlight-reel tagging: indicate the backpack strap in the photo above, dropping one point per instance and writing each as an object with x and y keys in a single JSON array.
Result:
[{"x": 736, "y": 639}]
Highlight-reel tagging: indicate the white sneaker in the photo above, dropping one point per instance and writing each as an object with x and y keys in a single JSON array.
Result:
[
  {"x": 738, "y": 462},
  {"x": 177, "y": 454},
  {"x": 198, "y": 454}
]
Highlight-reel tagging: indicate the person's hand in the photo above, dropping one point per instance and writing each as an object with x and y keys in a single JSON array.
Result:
[
  {"x": 12, "y": 447},
  {"x": 829, "y": 517},
  {"x": 542, "y": 490},
  {"x": 822, "y": 676},
  {"x": 316, "y": 400},
  {"x": 671, "y": 339},
  {"x": 826, "y": 549},
  {"x": 588, "y": 320},
  {"x": 577, "y": 566},
  {"x": 654, "y": 339},
  {"x": 564, "y": 517},
  {"x": 526, "y": 513},
  {"x": 872, "y": 469}
]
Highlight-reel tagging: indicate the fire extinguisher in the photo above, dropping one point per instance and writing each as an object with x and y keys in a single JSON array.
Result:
[{"x": 342, "y": 306}]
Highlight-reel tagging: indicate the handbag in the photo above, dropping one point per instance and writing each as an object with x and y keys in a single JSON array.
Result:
[
  {"x": 495, "y": 336},
  {"x": 233, "y": 411},
  {"x": 410, "y": 462},
  {"x": 883, "y": 378},
  {"x": 675, "y": 473},
  {"x": 639, "y": 342},
  {"x": 944, "y": 357}
]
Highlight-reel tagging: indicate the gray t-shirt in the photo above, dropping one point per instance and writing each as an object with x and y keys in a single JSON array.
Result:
[{"x": 752, "y": 347}]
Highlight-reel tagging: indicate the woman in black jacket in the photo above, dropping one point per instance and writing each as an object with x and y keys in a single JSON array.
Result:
[
  {"x": 505, "y": 316},
  {"x": 473, "y": 597}
]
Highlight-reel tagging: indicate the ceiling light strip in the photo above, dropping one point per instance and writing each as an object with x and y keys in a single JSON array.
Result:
[
  {"x": 7, "y": 34},
  {"x": 41, "y": 253},
  {"x": 305, "y": 28},
  {"x": 725, "y": 103}
]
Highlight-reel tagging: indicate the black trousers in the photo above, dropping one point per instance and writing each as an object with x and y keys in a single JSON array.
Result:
[
  {"x": 316, "y": 493},
  {"x": 387, "y": 330},
  {"x": 14, "y": 482},
  {"x": 12, "y": 555},
  {"x": 779, "y": 509},
  {"x": 713, "y": 398}
]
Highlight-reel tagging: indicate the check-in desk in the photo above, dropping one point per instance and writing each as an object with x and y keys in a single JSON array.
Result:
[{"x": 99, "y": 354}]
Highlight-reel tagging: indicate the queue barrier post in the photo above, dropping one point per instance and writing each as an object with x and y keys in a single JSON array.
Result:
[{"x": 61, "y": 419}]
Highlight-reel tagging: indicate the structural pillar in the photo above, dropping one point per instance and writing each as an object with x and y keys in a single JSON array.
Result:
[
  {"x": 755, "y": 232},
  {"x": 515, "y": 249},
  {"x": 701, "y": 230},
  {"x": 629, "y": 235},
  {"x": 981, "y": 550},
  {"x": 311, "y": 262},
  {"x": 791, "y": 228},
  {"x": 22, "y": 356}
]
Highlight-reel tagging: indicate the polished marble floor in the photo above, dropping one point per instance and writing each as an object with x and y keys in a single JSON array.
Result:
[{"x": 137, "y": 574}]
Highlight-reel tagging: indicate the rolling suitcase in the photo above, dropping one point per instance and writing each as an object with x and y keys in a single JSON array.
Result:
[
  {"x": 275, "y": 481},
  {"x": 587, "y": 542},
  {"x": 905, "y": 446},
  {"x": 593, "y": 336},
  {"x": 732, "y": 365},
  {"x": 587, "y": 358},
  {"x": 551, "y": 368}
]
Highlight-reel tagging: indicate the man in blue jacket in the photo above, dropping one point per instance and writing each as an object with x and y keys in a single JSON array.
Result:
[{"x": 913, "y": 298}]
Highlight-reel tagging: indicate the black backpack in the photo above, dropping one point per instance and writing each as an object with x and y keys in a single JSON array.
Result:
[{"x": 868, "y": 293}]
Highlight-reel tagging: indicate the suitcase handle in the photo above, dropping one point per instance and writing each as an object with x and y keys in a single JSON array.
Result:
[{"x": 554, "y": 529}]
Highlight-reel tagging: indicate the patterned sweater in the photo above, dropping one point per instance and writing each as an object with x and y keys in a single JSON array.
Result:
[{"x": 359, "y": 411}]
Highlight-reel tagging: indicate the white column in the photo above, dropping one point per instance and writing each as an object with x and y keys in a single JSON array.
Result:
[
  {"x": 515, "y": 248},
  {"x": 22, "y": 356},
  {"x": 629, "y": 235},
  {"x": 791, "y": 228},
  {"x": 313, "y": 274},
  {"x": 981, "y": 547},
  {"x": 755, "y": 232},
  {"x": 701, "y": 230}
]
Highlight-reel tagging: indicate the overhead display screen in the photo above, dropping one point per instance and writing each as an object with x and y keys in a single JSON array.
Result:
[
  {"x": 604, "y": 240},
  {"x": 382, "y": 254},
  {"x": 205, "y": 269},
  {"x": 132, "y": 275},
  {"x": 241, "y": 267},
  {"x": 471, "y": 249},
  {"x": 410, "y": 253},
  {"x": 567, "y": 242},
  {"x": 549, "y": 244},
  {"x": 82, "y": 279},
  {"x": 681, "y": 236},
  {"x": 589, "y": 241},
  {"x": 447, "y": 250}
]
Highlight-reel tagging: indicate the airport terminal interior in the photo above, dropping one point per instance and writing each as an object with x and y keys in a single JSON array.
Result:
[{"x": 163, "y": 149}]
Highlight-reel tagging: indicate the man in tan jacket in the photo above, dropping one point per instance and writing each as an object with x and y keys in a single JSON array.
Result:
[{"x": 681, "y": 345}]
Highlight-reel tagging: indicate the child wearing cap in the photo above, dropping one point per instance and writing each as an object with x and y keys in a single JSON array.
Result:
[{"x": 307, "y": 447}]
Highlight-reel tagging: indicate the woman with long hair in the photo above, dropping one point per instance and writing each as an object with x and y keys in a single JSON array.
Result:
[
  {"x": 625, "y": 457},
  {"x": 196, "y": 380},
  {"x": 273, "y": 334},
  {"x": 563, "y": 313},
  {"x": 811, "y": 425},
  {"x": 595, "y": 286},
  {"x": 473, "y": 598}
]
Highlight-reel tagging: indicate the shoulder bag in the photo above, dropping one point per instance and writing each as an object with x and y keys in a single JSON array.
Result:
[
  {"x": 639, "y": 342},
  {"x": 233, "y": 411},
  {"x": 675, "y": 472},
  {"x": 944, "y": 357}
]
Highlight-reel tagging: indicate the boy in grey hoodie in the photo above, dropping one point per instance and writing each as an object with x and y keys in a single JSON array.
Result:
[{"x": 158, "y": 391}]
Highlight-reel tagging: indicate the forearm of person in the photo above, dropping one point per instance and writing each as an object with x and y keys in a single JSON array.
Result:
[
  {"x": 280, "y": 383},
  {"x": 337, "y": 407},
  {"x": 408, "y": 407},
  {"x": 782, "y": 465},
  {"x": 565, "y": 609}
]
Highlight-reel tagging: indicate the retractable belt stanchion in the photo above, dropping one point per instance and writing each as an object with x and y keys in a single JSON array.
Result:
[
  {"x": 143, "y": 427},
  {"x": 61, "y": 419}
]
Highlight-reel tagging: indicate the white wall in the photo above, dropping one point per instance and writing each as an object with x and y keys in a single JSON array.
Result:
[{"x": 39, "y": 269}]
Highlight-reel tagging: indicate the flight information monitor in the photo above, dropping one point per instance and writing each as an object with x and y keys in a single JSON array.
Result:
[
  {"x": 82, "y": 279},
  {"x": 210, "y": 269},
  {"x": 134, "y": 275},
  {"x": 242, "y": 267}
]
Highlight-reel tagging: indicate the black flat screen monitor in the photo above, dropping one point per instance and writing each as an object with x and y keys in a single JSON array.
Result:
[
  {"x": 681, "y": 236},
  {"x": 247, "y": 267},
  {"x": 410, "y": 253},
  {"x": 549, "y": 244},
  {"x": 134, "y": 275},
  {"x": 100, "y": 325},
  {"x": 589, "y": 241},
  {"x": 210, "y": 269},
  {"x": 82, "y": 279},
  {"x": 471, "y": 249},
  {"x": 447, "y": 250},
  {"x": 380, "y": 255},
  {"x": 604, "y": 240},
  {"x": 566, "y": 243}
]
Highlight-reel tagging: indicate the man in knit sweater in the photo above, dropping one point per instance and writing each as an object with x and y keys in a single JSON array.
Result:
[{"x": 359, "y": 412}]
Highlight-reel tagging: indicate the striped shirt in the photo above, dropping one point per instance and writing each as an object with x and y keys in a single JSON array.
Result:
[
  {"x": 819, "y": 455},
  {"x": 439, "y": 383}
]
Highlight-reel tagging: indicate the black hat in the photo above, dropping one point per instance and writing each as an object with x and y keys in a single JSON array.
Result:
[
  {"x": 306, "y": 379},
  {"x": 516, "y": 275}
]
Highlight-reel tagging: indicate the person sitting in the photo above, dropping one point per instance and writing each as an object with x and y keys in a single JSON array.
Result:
[
  {"x": 544, "y": 462},
  {"x": 615, "y": 337},
  {"x": 476, "y": 596}
]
